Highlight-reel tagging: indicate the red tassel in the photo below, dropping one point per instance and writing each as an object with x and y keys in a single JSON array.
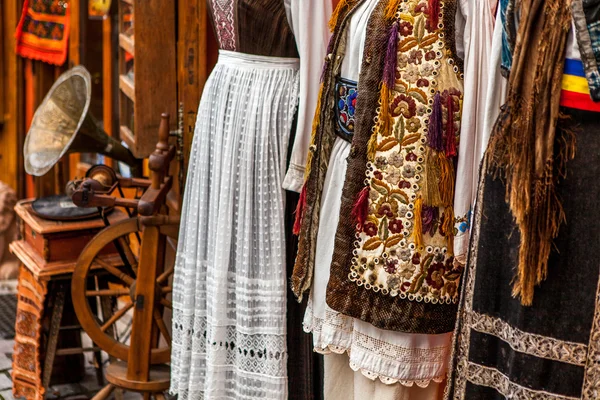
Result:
[
  {"x": 300, "y": 211},
  {"x": 450, "y": 132},
  {"x": 434, "y": 14},
  {"x": 360, "y": 210}
]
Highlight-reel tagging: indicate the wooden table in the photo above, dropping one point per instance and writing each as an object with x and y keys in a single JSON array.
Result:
[{"x": 48, "y": 252}]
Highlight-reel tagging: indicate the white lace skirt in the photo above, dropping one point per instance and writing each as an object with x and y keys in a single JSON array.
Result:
[
  {"x": 388, "y": 356},
  {"x": 229, "y": 291}
]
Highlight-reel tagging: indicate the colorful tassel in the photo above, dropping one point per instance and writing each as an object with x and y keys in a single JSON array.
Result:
[
  {"x": 372, "y": 146},
  {"x": 430, "y": 217},
  {"x": 430, "y": 187},
  {"x": 435, "y": 131},
  {"x": 417, "y": 233},
  {"x": 391, "y": 57},
  {"x": 446, "y": 179},
  {"x": 448, "y": 228},
  {"x": 360, "y": 210},
  {"x": 333, "y": 21},
  {"x": 300, "y": 211},
  {"x": 391, "y": 9},
  {"x": 450, "y": 131},
  {"x": 434, "y": 14},
  {"x": 384, "y": 115}
]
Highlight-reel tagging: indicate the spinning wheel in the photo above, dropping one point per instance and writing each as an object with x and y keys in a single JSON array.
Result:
[
  {"x": 139, "y": 288},
  {"x": 125, "y": 288}
]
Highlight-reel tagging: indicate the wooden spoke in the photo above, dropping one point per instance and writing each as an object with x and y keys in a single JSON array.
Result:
[
  {"x": 165, "y": 275},
  {"x": 107, "y": 292},
  {"x": 115, "y": 271},
  {"x": 166, "y": 303},
  {"x": 168, "y": 289},
  {"x": 115, "y": 317},
  {"x": 160, "y": 322},
  {"x": 131, "y": 258}
]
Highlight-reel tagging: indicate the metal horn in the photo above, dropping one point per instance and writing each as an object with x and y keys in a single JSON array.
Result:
[{"x": 62, "y": 124}]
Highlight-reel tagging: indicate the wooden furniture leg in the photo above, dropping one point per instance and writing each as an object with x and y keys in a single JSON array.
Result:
[
  {"x": 105, "y": 392},
  {"x": 159, "y": 396},
  {"x": 57, "y": 296}
]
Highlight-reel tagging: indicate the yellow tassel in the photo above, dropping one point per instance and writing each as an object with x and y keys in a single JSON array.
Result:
[
  {"x": 372, "y": 146},
  {"x": 448, "y": 228},
  {"x": 336, "y": 14},
  {"x": 391, "y": 9},
  {"x": 430, "y": 188},
  {"x": 315, "y": 125},
  {"x": 446, "y": 179},
  {"x": 417, "y": 234}
]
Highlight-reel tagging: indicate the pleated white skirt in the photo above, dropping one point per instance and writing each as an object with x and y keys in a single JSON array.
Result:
[{"x": 229, "y": 290}]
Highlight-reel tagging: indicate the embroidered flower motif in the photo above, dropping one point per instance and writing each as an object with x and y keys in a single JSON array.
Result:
[
  {"x": 411, "y": 157},
  {"x": 427, "y": 69},
  {"x": 413, "y": 125},
  {"x": 390, "y": 266},
  {"x": 396, "y": 159},
  {"x": 378, "y": 175},
  {"x": 405, "y": 255},
  {"x": 421, "y": 110},
  {"x": 381, "y": 162},
  {"x": 404, "y": 105},
  {"x": 402, "y": 61},
  {"x": 421, "y": 82},
  {"x": 416, "y": 259},
  {"x": 406, "y": 28},
  {"x": 395, "y": 226},
  {"x": 421, "y": 8},
  {"x": 415, "y": 57},
  {"x": 407, "y": 271},
  {"x": 404, "y": 185},
  {"x": 393, "y": 176},
  {"x": 386, "y": 210},
  {"x": 430, "y": 55},
  {"x": 408, "y": 171},
  {"x": 370, "y": 229},
  {"x": 435, "y": 276},
  {"x": 393, "y": 282},
  {"x": 411, "y": 74}
]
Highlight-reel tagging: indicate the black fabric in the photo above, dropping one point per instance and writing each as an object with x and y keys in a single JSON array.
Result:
[
  {"x": 564, "y": 304},
  {"x": 559, "y": 309},
  {"x": 526, "y": 370},
  {"x": 475, "y": 392}
]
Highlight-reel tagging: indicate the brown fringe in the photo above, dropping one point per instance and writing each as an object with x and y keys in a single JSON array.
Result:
[
  {"x": 417, "y": 233},
  {"x": 521, "y": 149},
  {"x": 448, "y": 228},
  {"x": 315, "y": 125},
  {"x": 446, "y": 179},
  {"x": 430, "y": 187}
]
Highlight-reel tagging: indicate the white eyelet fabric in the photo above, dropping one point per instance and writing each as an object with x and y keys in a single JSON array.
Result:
[{"x": 229, "y": 290}]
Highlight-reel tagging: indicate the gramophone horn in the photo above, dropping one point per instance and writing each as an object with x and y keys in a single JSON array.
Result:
[{"x": 62, "y": 124}]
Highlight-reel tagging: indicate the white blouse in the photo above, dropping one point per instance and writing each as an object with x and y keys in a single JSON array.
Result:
[{"x": 308, "y": 19}]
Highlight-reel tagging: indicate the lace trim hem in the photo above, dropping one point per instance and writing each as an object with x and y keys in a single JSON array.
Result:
[{"x": 332, "y": 349}]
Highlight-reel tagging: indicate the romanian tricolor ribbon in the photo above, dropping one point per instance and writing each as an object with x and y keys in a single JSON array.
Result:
[{"x": 575, "y": 90}]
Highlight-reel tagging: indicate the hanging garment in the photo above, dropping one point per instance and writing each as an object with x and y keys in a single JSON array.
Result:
[
  {"x": 476, "y": 27},
  {"x": 229, "y": 291},
  {"x": 548, "y": 350},
  {"x": 348, "y": 105},
  {"x": 43, "y": 31}
]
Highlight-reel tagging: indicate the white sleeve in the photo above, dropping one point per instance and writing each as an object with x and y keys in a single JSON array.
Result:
[{"x": 309, "y": 21}]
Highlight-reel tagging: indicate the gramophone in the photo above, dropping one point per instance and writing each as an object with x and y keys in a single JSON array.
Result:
[{"x": 62, "y": 124}]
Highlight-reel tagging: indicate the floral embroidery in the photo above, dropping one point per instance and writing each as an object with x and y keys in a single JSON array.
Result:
[
  {"x": 388, "y": 257},
  {"x": 345, "y": 106}
]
